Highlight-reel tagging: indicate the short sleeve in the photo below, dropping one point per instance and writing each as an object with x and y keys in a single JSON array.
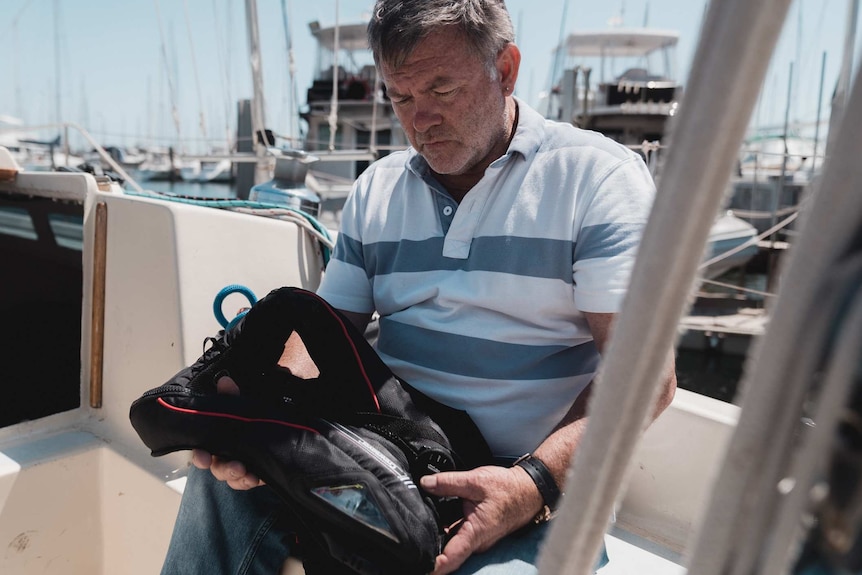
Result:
[{"x": 617, "y": 207}]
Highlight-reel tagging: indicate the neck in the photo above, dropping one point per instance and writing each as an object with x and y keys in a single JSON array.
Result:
[{"x": 459, "y": 184}]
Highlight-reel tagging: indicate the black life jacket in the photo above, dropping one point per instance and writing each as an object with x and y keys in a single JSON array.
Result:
[{"x": 344, "y": 451}]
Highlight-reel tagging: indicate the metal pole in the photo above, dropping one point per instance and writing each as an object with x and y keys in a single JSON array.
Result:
[
  {"x": 839, "y": 100},
  {"x": 333, "y": 107},
  {"x": 585, "y": 118},
  {"x": 778, "y": 191},
  {"x": 374, "y": 105},
  {"x": 287, "y": 18},
  {"x": 57, "y": 66},
  {"x": 731, "y": 61},
  {"x": 258, "y": 119},
  {"x": 559, "y": 55},
  {"x": 819, "y": 108}
]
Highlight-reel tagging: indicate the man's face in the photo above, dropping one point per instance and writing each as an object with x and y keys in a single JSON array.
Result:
[{"x": 450, "y": 107}]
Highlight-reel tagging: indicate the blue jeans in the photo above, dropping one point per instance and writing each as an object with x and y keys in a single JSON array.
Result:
[{"x": 221, "y": 531}]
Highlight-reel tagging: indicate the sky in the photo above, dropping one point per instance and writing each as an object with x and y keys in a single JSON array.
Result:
[{"x": 112, "y": 65}]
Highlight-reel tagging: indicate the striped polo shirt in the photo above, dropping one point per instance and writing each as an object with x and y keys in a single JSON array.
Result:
[{"x": 481, "y": 302}]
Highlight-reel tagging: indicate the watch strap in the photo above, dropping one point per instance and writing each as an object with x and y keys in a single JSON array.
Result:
[{"x": 544, "y": 481}]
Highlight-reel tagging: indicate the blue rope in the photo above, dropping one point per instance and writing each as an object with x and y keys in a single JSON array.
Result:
[
  {"x": 230, "y": 203},
  {"x": 219, "y": 300}
]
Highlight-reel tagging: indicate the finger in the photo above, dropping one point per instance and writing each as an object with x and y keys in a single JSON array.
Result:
[
  {"x": 201, "y": 459},
  {"x": 452, "y": 484},
  {"x": 247, "y": 481},
  {"x": 226, "y": 384},
  {"x": 227, "y": 470},
  {"x": 457, "y": 550},
  {"x": 235, "y": 474}
]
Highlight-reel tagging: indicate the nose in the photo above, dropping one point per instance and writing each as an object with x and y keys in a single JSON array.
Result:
[{"x": 426, "y": 115}]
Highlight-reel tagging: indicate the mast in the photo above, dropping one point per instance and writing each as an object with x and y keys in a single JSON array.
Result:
[
  {"x": 16, "y": 61},
  {"x": 174, "y": 111},
  {"x": 333, "y": 109},
  {"x": 224, "y": 76},
  {"x": 819, "y": 108},
  {"x": 58, "y": 111},
  {"x": 201, "y": 117},
  {"x": 258, "y": 119},
  {"x": 286, "y": 14},
  {"x": 559, "y": 56}
]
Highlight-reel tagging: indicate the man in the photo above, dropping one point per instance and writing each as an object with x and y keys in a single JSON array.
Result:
[{"x": 496, "y": 252}]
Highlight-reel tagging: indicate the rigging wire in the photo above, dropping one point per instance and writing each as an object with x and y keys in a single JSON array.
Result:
[
  {"x": 174, "y": 113},
  {"x": 201, "y": 118},
  {"x": 223, "y": 76},
  {"x": 753, "y": 241}
]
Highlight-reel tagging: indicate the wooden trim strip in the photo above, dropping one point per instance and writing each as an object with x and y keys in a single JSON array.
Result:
[{"x": 97, "y": 320}]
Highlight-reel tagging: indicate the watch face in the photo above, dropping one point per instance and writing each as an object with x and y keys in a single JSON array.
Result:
[{"x": 357, "y": 502}]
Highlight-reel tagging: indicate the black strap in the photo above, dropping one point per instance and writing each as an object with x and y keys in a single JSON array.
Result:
[{"x": 544, "y": 481}]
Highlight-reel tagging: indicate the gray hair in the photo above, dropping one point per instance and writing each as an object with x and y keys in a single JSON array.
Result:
[{"x": 397, "y": 26}]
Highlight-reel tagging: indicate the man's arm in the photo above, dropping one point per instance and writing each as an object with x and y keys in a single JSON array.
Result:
[
  {"x": 499, "y": 500},
  {"x": 557, "y": 450}
]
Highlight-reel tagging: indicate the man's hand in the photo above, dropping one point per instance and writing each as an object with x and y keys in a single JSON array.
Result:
[
  {"x": 296, "y": 359},
  {"x": 497, "y": 501},
  {"x": 233, "y": 472}
]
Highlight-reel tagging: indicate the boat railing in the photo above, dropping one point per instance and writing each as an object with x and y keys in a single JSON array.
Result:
[
  {"x": 325, "y": 155},
  {"x": 103, "y": 154}
]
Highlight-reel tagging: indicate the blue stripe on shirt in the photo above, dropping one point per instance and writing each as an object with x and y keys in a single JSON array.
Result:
[
  {"x": 528, "y": 257},
  {"x": 607, "y": 240},
  {"x": 483, "y": 358}
]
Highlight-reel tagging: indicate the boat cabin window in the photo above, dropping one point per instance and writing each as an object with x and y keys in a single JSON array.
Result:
[
  {"x": 40, "y": 303},
  {"x": 68, "y": 230},
  {"x": 17, "y": 222}
]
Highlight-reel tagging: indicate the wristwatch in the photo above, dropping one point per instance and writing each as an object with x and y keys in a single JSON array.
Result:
[{"x": 544, "y": 481}]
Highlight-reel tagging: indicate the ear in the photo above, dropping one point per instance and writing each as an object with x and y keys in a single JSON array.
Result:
[{"x": 508, "y": 64}]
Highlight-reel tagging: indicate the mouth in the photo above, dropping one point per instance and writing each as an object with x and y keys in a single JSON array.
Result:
[{"x": 433, "y": 144}]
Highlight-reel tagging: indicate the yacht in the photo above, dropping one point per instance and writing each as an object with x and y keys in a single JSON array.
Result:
[
  {"x": 350, "y": 121},
  {"x": 619, "y": 82}
]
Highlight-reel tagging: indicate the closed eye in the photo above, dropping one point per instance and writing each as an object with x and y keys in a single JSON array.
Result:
[{"x": 445, "y": 93}]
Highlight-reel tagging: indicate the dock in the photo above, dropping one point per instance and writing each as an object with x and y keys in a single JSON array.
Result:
[{"x": 722, "y": 331}]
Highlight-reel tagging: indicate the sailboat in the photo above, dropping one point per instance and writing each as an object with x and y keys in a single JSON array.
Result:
[{"x": 763, "y": 486}]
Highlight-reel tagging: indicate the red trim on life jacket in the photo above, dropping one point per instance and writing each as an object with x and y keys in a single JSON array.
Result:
[
  {"x": 236, "y": 417},
  {"x": 355, "y": 351}
]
